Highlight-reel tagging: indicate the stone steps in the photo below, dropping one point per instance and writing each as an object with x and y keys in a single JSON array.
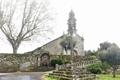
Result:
[
  {"x": 72, "y": 72},
  {"x": 67, "y": 75},
  {"x": 68, "y": 78},
  {"x": 70, "y": 75}
]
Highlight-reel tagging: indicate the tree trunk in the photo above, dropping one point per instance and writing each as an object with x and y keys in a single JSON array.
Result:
[
  {"x": 114, "y": 70},
  {"x": 15, "y": 48},
  {"x": 14, "y": 51}
]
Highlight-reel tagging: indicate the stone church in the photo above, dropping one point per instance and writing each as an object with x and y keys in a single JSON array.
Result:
[{"x": 54, "y": 48}]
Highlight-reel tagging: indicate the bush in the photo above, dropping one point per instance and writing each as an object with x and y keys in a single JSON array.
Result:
[
  {"x": 95, "y": 68},
  {"x": 105, "y": 66},
  {"x": 99, "y": 67},
  {"x": 56, "y": 61}
]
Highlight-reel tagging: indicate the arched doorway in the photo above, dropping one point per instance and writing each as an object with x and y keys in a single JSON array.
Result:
[{"x": 45, "y": 59}]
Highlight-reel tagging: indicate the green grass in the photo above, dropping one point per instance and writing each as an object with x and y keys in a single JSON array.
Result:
[
  {"x": 49, "y": 78},
  {"x": 100, "y": 77},
  {"x": 108, "y": 77}
]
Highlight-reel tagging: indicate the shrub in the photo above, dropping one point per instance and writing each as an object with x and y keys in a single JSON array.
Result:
[
  {"x": 95, "y": 68},
  {"x": 99, "y": 67},
  {"x": 105, "y": 66},
  {"x": 56, "y": 61}
]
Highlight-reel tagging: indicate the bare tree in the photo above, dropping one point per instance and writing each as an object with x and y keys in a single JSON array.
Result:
[{"x": 32, "y": 21}]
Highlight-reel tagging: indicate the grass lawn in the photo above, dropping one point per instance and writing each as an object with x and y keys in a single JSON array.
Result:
[
  {"x": 49, "y": 78},
  {"x": 108, "y": 77},
  {"x": 100, "y": 77}
]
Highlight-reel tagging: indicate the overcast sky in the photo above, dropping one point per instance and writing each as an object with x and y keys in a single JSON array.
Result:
[{"x": 97, "y": 21}]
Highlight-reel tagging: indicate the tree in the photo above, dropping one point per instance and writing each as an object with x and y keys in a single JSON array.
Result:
[
  {"x": 91, "y": 53},
  {"x": 67, "y": 43},
  {"x": 105, "y": 45},
  {"x": 32, "y": 19},
  {"x": 112, "y": 57}
]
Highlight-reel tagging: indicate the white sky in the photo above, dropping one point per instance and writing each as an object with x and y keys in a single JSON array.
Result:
[{"x": 97, "y": 21}]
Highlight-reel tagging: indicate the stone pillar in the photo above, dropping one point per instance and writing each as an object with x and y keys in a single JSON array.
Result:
[{"x": 56, "y": 67}]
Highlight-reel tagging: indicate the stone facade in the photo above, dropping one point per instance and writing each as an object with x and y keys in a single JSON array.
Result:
[{"x": 54, "y": 47}]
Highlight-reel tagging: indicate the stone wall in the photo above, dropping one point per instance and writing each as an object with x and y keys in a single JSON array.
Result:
[
  {"x": 27, "y": 62},
  {"x": 16, "y": 62}
]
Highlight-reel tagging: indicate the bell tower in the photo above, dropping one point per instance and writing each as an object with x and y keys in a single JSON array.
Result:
[{"x": 71, "y": 23}]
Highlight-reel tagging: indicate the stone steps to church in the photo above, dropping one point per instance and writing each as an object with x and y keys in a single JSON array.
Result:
[
  {"x": 72, "y": 78},
  {"x": 60, "y": 75}
]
